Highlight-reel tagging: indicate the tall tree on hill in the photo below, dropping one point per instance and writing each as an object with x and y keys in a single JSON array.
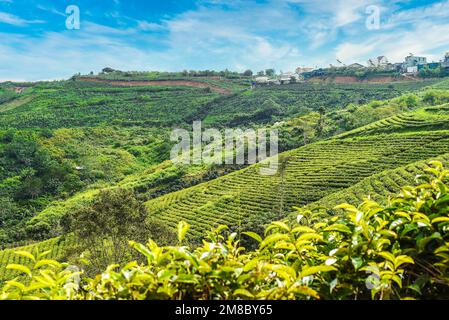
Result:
[
  {"x": 104, "y": 229},
  {"x": 283, "y": 162},
  {"x": 270, "y": 72},
  {"x": 320, "y": 125},
  {"x": 248, "y": 73}
]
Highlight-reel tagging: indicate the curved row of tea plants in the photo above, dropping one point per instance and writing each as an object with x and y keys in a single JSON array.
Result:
[
  {"x": 397, "y": 251},
  {"x": 311, "y": 173}
]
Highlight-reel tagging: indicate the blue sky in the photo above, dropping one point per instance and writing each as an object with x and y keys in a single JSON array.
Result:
[{"x": 170, "y": 35}]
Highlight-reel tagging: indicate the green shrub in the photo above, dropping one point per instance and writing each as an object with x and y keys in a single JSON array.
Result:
[{"x": 398, "y": 251}]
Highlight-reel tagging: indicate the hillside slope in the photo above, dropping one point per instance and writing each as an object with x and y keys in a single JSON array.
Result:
[
  {"x": 311, "y": 173},
  {"x": 378, "y": 187},
  {"x": 345, "y": 168}
]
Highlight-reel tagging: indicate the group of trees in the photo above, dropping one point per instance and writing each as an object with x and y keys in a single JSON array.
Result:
[
  {"x": 194, "y": 73},
  {"x": 185, "y": 73},
  {"x": 433, "y": 73},
  {"x": 30, "y": 175},
  {"x": 267, "y": 72},
  {"x": 104, "y": 229}
]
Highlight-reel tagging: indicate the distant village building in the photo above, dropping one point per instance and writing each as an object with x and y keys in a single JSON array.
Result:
[
  {"x": 356, "y": 66},
  {"x": 287, "y": 77},
  {"x": 265, "y": 81},
  {"x": 379, "y": 62},
  {"x": 412, "y": 70},
  {"x": 262, "y": 80},
  {"x": 414, "y": 61},
  {"x": 301, "y": 70},
  {"x": 445, "y": 62},
  {"x": 411, "y": 63},
  {"x": 397, "y": 66},
  {"x": 430, "y": 66}
]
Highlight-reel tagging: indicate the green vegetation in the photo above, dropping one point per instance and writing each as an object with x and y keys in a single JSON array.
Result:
[
  {"x": 74, "y": 152},
  {"x": 103, "y": 229},
  {"x": 246, "y": 198},
  {"x": 6, "y": 95},
  {"x": 372, "y": 73},
  {"x": 80, "y": 137},
  {"x": 360, "y": 73},
  {"x": 278, "y": 103},
  {"x": 398, "y": 251}
]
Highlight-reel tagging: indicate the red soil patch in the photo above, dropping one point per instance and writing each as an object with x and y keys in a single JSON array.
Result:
[
  {"x": 17, "y": 90},
  {"x": 186, "y": 83}
]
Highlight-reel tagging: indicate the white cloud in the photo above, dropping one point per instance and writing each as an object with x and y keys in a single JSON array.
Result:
[
  {"x": 219, "y": 34},
  {"x": 433, "y": 11},
  {"x": 421, "y": 40},
  {"x": 149, "y": 26},
  {"x": 51, "y": 10},
  {"x": 15, "y": 20}
]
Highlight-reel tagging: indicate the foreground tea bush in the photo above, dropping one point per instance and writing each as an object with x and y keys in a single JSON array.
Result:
[{"x": 396, "y": 251}]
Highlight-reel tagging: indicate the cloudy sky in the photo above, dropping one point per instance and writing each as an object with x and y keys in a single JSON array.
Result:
[{"x": 38, "y": 41}]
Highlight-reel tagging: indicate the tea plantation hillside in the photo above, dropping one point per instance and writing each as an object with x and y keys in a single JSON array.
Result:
[
  {"x": 344, "y": 168},
  {"x": 271, "y": 104},
  {"x": 71, "y": 104},
  {"x": 160, "y": 179},
  {"x": 378, "y": 187},
  {"x": 61, "y": 142},
  {"x": 245, "y": 198}
]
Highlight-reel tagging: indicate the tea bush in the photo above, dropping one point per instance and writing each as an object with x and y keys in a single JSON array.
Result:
[{"x": 397, "y": 251}]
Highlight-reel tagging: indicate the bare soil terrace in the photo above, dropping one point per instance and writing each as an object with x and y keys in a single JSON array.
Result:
[{"x": 188, "y": 83}]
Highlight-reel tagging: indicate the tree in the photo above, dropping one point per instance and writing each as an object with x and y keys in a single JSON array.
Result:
[
  {"x": 283, "y": 162},
  {"x": 104, "y": 229},
  {"x": 108, "y": 70},
  {"x": 270, "y": 72},
  {"x": 261, "y": 73},
  {"x": 248, "y": 73},
  {"x": 320, "y": 125}
]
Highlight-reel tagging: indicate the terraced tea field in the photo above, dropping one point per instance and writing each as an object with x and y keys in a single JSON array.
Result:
[
  {"x": 343, "y": 169},
  {"x": 379, "y": 186},
  {"x": 429, "y": 118},
  {"x": 312, "y": 172},
  {"x": 56, "y": 249},
  {"x": 81, "y": 119},
  {"x": 276, "y": 103},
  {"x": 78, "y": 104}
]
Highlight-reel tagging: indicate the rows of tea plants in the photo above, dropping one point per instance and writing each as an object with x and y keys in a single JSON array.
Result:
[
  {"x": 378, "y": 187},
  {"x": 393, "y": 251},
  {"x": 77, "y": 104},
  {"x": 246, "y": 199},
  {"x": 276, "y": 103},
  {"x": 427, "y": 118},
  {"x": 54, "y": 247},
  {"x": 311, "y": 173}
]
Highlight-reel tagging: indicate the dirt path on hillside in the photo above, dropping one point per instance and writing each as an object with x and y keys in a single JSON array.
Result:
[
  {"x": 132, "y": 83},
  {"x": 15, "y": 103}
]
